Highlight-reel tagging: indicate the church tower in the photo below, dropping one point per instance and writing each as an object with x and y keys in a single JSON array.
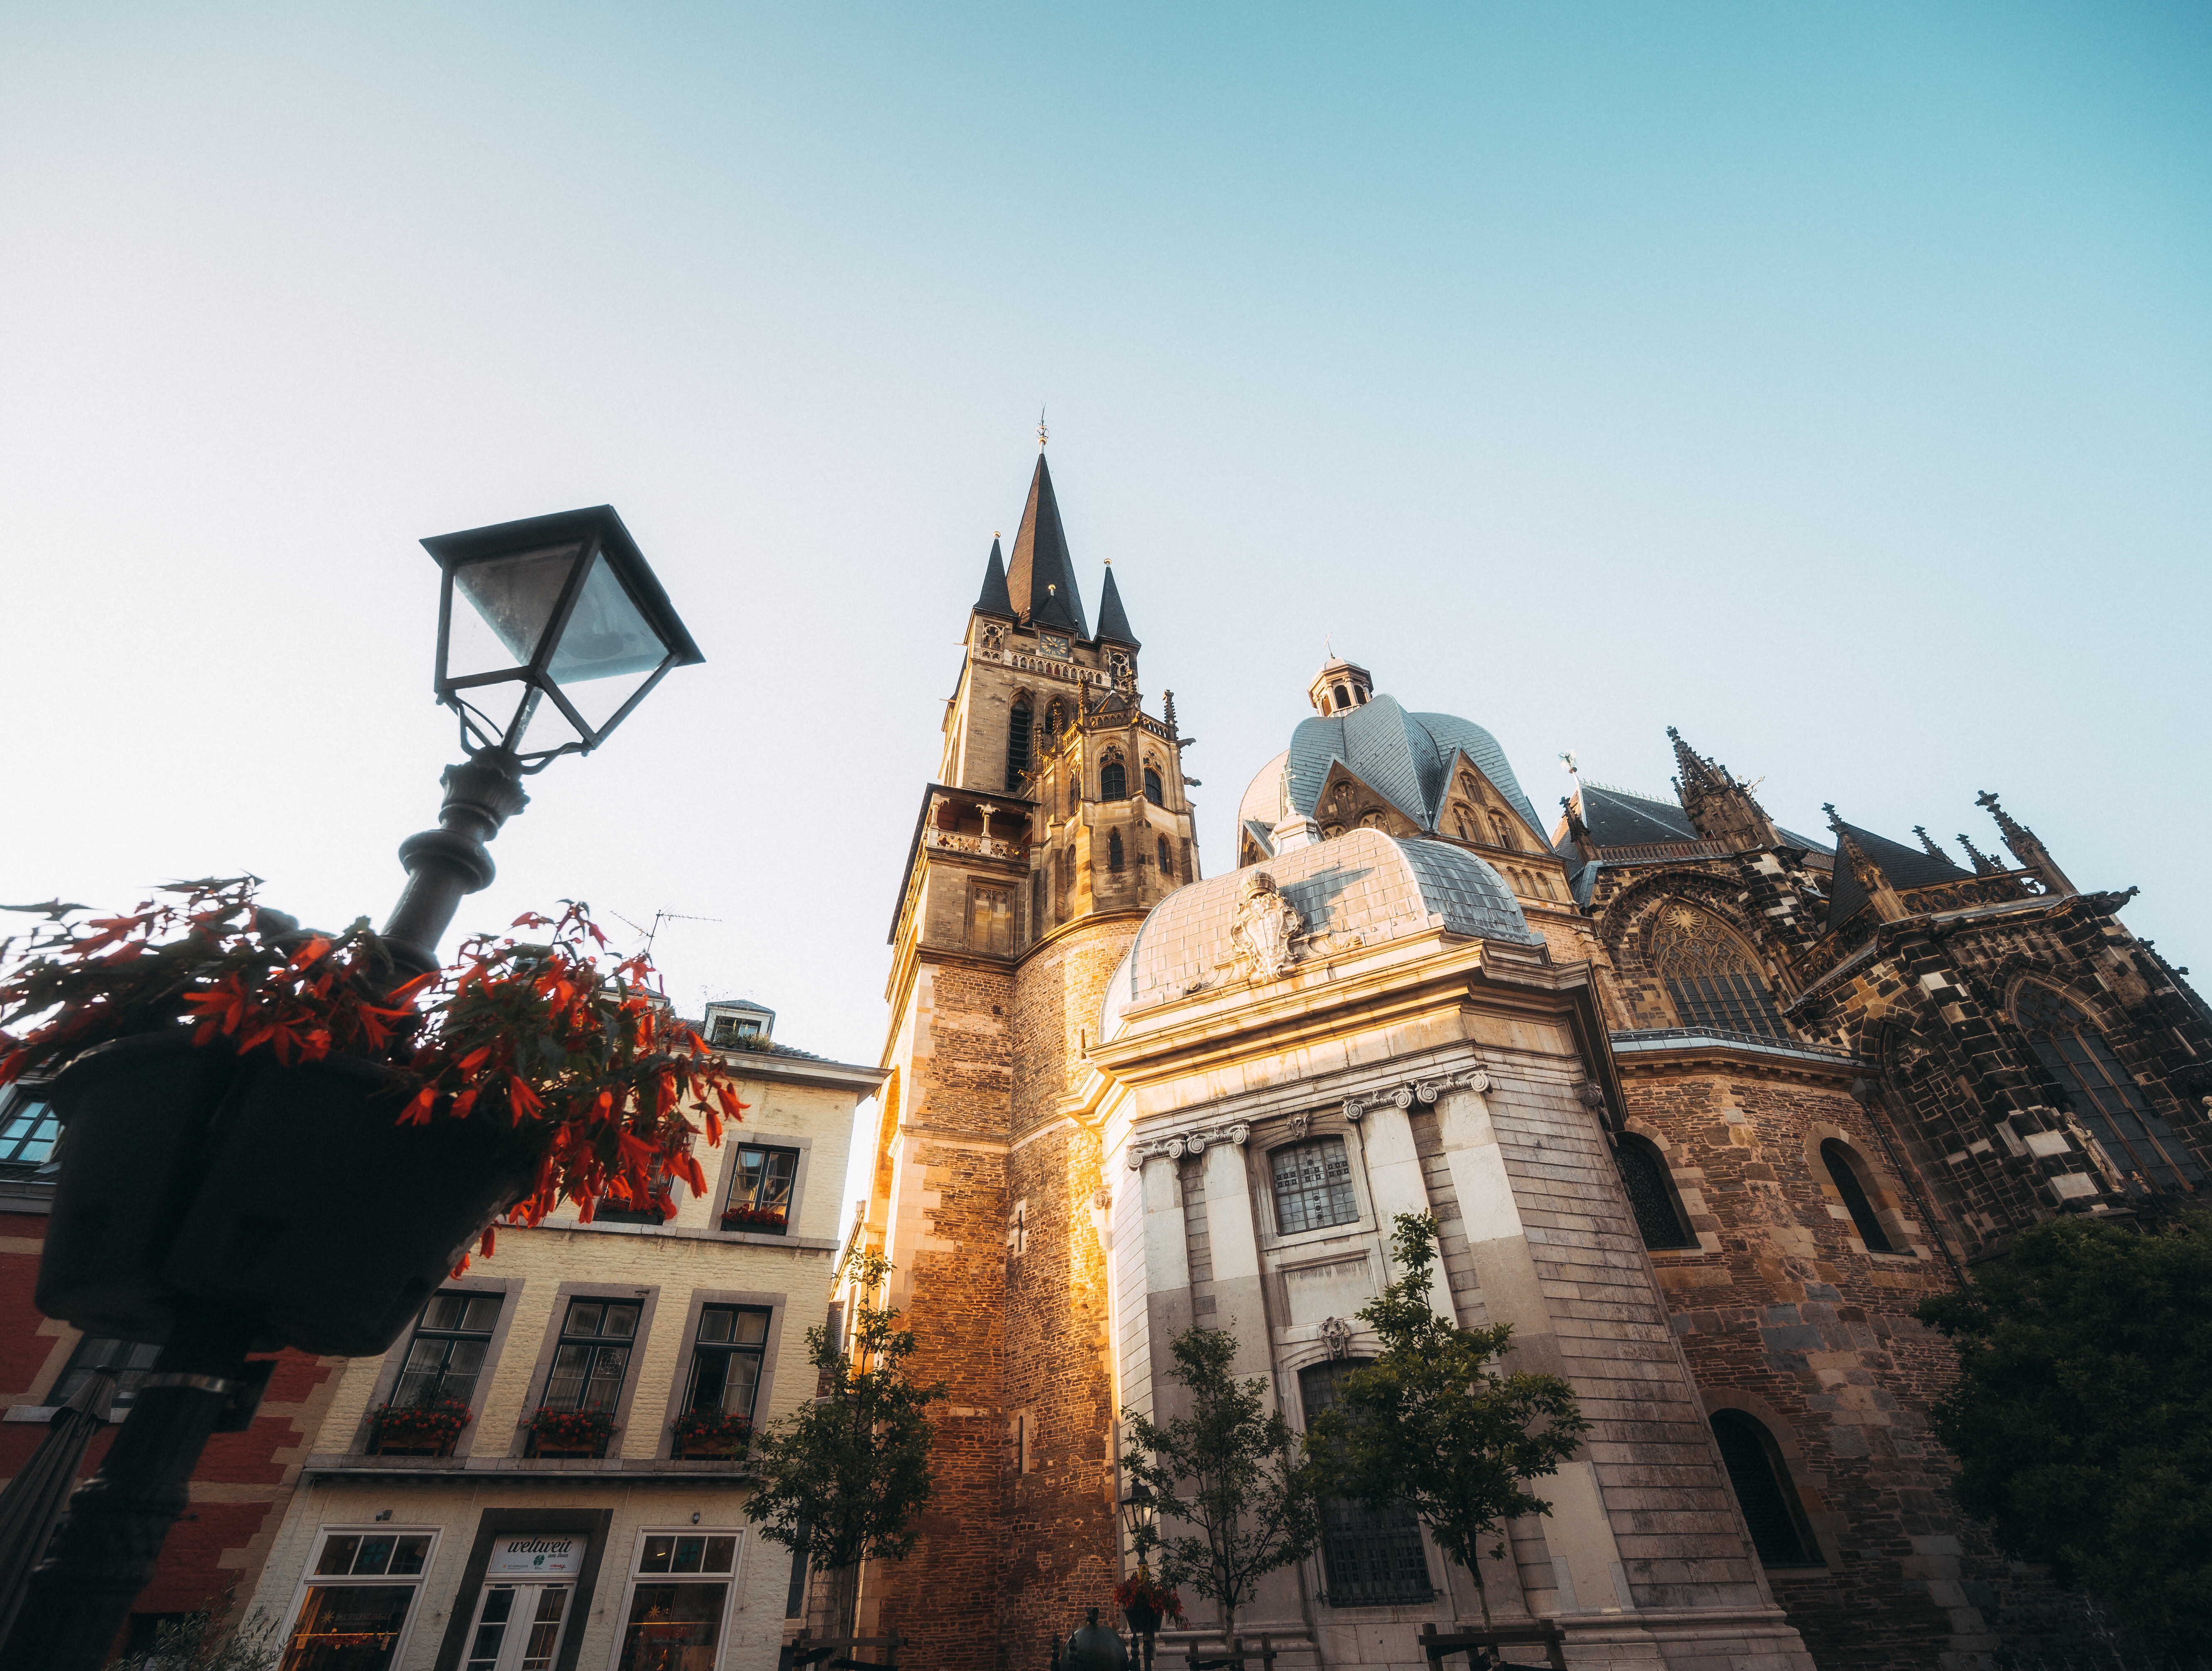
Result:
[{"x": 1056, "y": 821}]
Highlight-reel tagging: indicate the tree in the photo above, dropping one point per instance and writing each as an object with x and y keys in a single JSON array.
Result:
[
  {"x": 2083, "y": 1415},
  {"x": 843, "y": 1477},
  {"x": 1229, "y": 1471},
  {"x": 1430, "y": 1425}
]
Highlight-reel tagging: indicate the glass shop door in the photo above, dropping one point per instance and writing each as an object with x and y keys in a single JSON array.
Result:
[{"x": 518, "y": 1626}]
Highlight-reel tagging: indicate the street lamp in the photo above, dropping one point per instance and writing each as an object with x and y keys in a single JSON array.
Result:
[
  {"x": 562, "y": 610},
  {"x": 566, "y": 631},
  {"x": 1140, "y": 1511}
]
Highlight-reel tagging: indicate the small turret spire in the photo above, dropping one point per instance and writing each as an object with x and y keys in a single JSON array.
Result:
[
  {"x": 1984, "y": 865},
  {"x": 1928, "y": 843},
  {"x": 2025, "y": 844},
  {"x": 993, "y": 599},
  {"x": 1113, "y": 620},
  {"x": 1721, "y": 809}
]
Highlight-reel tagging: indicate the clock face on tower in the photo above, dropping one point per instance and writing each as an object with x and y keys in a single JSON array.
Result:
[{"x": 1055, "y": 645}]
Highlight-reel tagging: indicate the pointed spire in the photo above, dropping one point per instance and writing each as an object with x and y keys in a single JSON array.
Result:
[
  {"x": 1113, "y": 621},
  {"x": 993, "y": 599},
  {"x": 1929, "y": 843},
  {"x": 1984, "y": 865},
  {"x": 1041, "y": 580},
  {"x": 1721, "y": 809},
  {"x": 2027, "y": 847},
  {"x": 1697, "y": 772}
]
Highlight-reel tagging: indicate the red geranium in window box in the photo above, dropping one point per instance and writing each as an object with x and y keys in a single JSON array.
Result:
[
  {"x": 713, "y": 1433},
  {"x": 581, "y": 1432},
  {"x": 765, "y": 1220},
  {"x": 420, "y": 1427}
]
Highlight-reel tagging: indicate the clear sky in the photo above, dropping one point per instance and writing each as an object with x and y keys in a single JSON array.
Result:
[{"x": 1833, "y": 382}]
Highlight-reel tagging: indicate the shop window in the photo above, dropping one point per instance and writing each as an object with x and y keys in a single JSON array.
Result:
[
  {"x": 680, "y": 1601},
  {"x": 127, "y": 1361},
  {"x": 1771, "y": 1511},
  {"x": 1153, "y": 793},
  {"x": 1843, "y": 1172},
  {"x": 1313, "y": 1186},
  {"x": 1711, "y": 975},
  {"x": 2104, "y": 1094},
  {"x": 760, "y": 1190},
  {"x": 1643, "y": 1175},
  {"x": 1113, "y": 781},
  {"x": 359, "y": 1599},
  {"x": 1018, "y": 727},
  {"x": 1369, "y": 1558}
]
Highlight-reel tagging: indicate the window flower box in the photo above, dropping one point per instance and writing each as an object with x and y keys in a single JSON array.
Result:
[
  {"x": 761, "y": 1220},
  {"x": 712, "y": 1433},
  {"x": 419, "y": 1430},
  {"x": 570, "y": 1433}
]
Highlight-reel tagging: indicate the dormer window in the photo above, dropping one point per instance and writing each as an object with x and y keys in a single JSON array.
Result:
[{"x": 740, "y": 1026}]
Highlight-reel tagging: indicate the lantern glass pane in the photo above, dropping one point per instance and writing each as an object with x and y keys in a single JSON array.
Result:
[
  {"x": 512, "y": 598},
  {"x": 609, "y": 649}
]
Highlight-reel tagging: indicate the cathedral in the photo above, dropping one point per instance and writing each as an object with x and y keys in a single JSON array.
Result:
[{"x": 1703, "y": 1107}]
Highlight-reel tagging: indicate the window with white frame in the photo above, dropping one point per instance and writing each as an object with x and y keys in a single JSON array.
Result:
[
  {"x": 523, "y": 1611},
  {"x": 358, "y": 1599},
  {"x": 677, "y": 1611}
]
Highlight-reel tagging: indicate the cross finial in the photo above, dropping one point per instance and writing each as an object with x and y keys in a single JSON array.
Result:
[{"x": 1043, "y": 434}]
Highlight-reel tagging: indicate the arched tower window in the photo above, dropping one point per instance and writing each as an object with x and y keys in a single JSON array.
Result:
[
  {"x": 1842, "y": 1168},
  {"x": 1074, "y": 795},
  {"x": 1643, "y": 1175},
  {"x": 1369, "y": 1558},
  {"x": 1114, "y": 850},
  {"x": 2104, "y": 1094},
  {"x": 1167, "y": 861},
  {"x": 1113, "y": 781},
  {"x": 1710, "y": 975},
  {"x": 1339, "y": 698},
  {"x": 1772, "y": 1512},
  {"x": 1153, "y": 793},
  {"x": 1019, "y": 724}
]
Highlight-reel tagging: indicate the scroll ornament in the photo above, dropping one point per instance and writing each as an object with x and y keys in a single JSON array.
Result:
[
  {"x": 1188, "y": 1143},
  {"x": 1418, "y": 1090}
]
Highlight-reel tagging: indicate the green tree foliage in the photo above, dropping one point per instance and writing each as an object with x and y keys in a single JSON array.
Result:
[
  {"x": 1429, "y": 1424},
  {"x": 1229, "y": 1471},
  {"x": 2082, "y": 1415},
  {"x": 843, "y": 1478}
]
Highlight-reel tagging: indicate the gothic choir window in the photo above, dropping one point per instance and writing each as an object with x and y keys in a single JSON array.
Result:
[
  {"x": 1018, "y": 727},
  {"x": 1369, "y": 1558},
  {"x": 1114, "y": 850},
  {"x": 1153, "y": 793},
  {"x": 2104, "y": 1094},
  {"x": 1710, "y": 975},
  {"x": 1651, "y": 1194},
  {"x": 1113, "y": 781},
  {"x": 1843, "y": 1169},
  {"x": 1771, "y": 1511},
  {"x": 1313, "y": 1186}
]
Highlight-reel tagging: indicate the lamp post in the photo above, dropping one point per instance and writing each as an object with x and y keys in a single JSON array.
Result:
[
  {"x": 567, "y": 624},
  {"x": 1138, "y": 1512}
]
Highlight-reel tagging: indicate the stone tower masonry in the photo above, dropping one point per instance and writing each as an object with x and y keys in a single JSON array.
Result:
[{"x": 1057, "y": 819}]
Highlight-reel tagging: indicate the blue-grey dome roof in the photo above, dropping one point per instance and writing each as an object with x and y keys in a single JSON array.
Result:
[
  {"x": 1362, "y": 890},
  {"x": 1405, "y": 757}
]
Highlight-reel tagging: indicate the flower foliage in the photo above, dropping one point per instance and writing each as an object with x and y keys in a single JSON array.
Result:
[
  {"x": 443, "y": 1419},
  {"x": 540, "y": 1035},
  {"x": 1138, "y": 1590},
  {"x": 741, "y": 1215},
  {"x": 711, "y": 1429},
  {"x": 571, "y": 1429}
]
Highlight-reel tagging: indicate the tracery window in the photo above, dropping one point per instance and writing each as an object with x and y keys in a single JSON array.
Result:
[
  {"x": 1710, "y": 975},
  {"x": 1843, "y": 1169},
  {"x": 2104, "y": 1094},
  {"x": 1113, "y": 781},
  {"x": 1369, "y": 1558},
  {"x": 1772, "y": 1512},
  {"x": 1019, "y": 725},
  {"x": 1651, "y": 1193}
]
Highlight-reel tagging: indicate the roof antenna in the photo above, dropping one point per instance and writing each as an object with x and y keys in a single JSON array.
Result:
[
  {"x": 659, "y": 917},
  {"x": 1043, "y": 434}
]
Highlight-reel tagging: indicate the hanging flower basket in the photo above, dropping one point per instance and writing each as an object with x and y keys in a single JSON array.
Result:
[
  {"x": 252, "y": 1122},
  {"x": 420, "y": 1427},
  {"x": 762, "y": 1220},
  {"x": 572, "y": 1432},
  {"x": 712, "y": 1433},
  {"x": 1146, "y": 1604}
]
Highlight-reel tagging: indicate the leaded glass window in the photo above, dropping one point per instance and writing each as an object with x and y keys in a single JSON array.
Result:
[
  {"x": 1650, "y": 1196},
  {"x": 1113, "y": 781},
  {"x": 1152, "y": 790},
  {"x": 2104, "y": 1095},
  {"x": 1369, "y": 1558},
  {"x": 1710, "y": 975},
  {"x": 1313, "y": 1186}
]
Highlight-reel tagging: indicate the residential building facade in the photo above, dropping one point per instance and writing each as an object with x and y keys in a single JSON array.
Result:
[{"x": 583, "y": 1502}]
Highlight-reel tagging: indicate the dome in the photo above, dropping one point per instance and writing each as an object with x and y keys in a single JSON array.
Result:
[
  {"x": 1405, "y": 757},
  {"x": 1360, "y": 890}
]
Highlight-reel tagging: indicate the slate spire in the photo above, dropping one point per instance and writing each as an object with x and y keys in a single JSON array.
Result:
[
  {"x": 1113, "y": 621},
  {"x": 1041, "y": 580},
  {"x": 993, "y": 599}
]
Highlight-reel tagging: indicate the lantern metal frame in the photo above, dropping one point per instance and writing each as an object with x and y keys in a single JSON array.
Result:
[{"x": 599, "y": 533}]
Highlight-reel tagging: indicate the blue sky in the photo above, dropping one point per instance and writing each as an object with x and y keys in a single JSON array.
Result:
[{"x": 1831, "y": 383}]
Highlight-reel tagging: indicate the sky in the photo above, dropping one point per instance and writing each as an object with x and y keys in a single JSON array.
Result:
[{"x": 1832, "y": 383}]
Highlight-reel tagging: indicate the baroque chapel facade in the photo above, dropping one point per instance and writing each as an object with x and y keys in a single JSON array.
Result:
[{"x": 1702, "y": 1106}]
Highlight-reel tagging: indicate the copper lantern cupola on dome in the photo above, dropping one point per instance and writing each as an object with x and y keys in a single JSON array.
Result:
[{"x": 1340, "y": 687}]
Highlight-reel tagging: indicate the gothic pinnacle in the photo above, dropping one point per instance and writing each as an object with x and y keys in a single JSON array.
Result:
[{"x": 1928, "y": 842}]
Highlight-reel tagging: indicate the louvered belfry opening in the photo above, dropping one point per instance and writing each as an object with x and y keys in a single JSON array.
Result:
[
  {"x": 1711, "y": 975},
  {"x": 1019, "y": 725}
]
